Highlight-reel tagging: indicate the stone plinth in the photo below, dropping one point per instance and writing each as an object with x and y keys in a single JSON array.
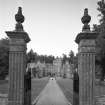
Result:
[
  {"x": 17, "y": 66},
  {"x": 86, "y": 67}
]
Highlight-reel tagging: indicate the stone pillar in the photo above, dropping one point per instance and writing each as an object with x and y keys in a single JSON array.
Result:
[
  {"x": 17, "y": 61},
  {"x": 86, "y": 62}
]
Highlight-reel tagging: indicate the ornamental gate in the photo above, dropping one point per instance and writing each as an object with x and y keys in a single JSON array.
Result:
[{"x": 18, "y": 89}]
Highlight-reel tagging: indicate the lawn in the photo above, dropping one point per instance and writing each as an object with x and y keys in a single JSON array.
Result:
[
  {"x": 100, "y": 89},
  {"x": 37, "y": 86},
  {"x": 67, "y": 87},
  {"x": 3, "y": 86},
  {"x": 65, "y": 84}
]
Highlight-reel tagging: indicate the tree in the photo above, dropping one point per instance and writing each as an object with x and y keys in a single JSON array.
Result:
[
  {"x": 64, "y": 58},
  {"x": 100, "y": 41},
  {"x": 34, "y": 57},
  {"x": 75, "y": 61},
  {"x": 31, "y": 56},
  {"x": 4, "y": 57},
  {"x": 71, "y": 57},
  {"x": 49, "y": 59}
]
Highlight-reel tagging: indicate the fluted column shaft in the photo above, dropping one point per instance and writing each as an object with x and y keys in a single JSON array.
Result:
[
  {"x": 86, "y": 61},
  {"x": 86, "y": 68},
  {"x": 17, "y": 67}
]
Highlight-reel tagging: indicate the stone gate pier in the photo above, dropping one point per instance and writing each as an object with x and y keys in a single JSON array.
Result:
[
  {"x": 86, "y": 62},
  {"x": 17, "y": 61}
]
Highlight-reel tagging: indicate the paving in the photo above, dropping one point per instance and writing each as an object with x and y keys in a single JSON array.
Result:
[{"x": 52, "y": 95}]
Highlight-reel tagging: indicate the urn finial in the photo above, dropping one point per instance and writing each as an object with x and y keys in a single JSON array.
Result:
[
  {"x": 85, "y": 20},
  {"x": 19, "y": 19}
]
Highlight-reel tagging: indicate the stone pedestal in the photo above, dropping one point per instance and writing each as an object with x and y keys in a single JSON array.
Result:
[
  {"x": 17, "y": 66},
  {"x": 86, "y": 67}
]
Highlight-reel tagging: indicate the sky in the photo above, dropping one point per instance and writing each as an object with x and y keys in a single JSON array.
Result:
[{"x": 52, "y": 25}]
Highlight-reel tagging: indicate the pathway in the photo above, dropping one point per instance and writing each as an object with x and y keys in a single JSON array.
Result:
[{"x": 52, "y": 95}]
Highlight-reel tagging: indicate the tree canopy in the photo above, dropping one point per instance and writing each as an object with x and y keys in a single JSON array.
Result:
[
  {"x": 35, "y": 57},
  {"x": 100, "y": 41},
  {"x": 4, "y": 57}
]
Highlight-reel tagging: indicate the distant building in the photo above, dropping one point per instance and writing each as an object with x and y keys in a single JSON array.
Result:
[
  {"x": 37, "y": 69},
  {"x": 49, "y": 68},
  {"x": 57, "y": 65},
  {"x": 46, "y": 69},
  {"x": 67, "y": 70},
  {"x": 40, "y": 69}
]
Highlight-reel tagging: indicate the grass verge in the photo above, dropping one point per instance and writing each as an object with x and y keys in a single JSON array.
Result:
[
  {"x": 67, "y": 87},
  {"x": 37, "y": 85},
  {"x": 3, "y": 86},
  {"x": 99, "y": 88}
]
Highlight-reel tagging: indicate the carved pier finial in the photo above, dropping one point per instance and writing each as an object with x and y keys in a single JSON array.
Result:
[
  {"x": 19, "y": 19},
  {"x": 85, "y": 20}
]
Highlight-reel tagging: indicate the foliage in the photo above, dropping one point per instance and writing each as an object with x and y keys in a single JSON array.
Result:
[
  {"x": 37, "y": 86},
  {"x": 75, "y": 61},
  {"x": 34, "y": 57},
  {"x": 31, "y": 56},
  {"x": 71, "y": 58},
  {"x": 100, "y": 41},
  {"x": 4, "y": 57},
  {"x": 101, "y": 9},
  {"x": 64, "y": 59}
]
